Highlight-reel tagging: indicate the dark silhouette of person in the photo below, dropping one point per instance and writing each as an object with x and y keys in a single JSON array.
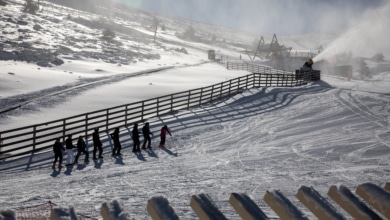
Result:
[
  {"x": 163, "y": 134},
  {"x": 307, "y": 66},
  {"x": 146, "y": 133},
  {"x": 135, "y": 137},
  {"x": 57, "y": 149},
  {"x": 81, "y": 148},
  {"x": 97, "y": 144},
  {"x": 117, "y": 145},
  {"x": 69, "y": 150}
]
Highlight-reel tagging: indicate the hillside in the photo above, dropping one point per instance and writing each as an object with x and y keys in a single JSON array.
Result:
[
  {"x": 329, "y": 132},
  {"x": 57, "y": 33}
]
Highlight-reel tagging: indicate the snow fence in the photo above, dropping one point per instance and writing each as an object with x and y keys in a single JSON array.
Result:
[{"x": 370, "y": 202}]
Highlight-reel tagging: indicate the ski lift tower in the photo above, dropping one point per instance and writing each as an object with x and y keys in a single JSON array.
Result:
[{"x": 271, "y": 50}]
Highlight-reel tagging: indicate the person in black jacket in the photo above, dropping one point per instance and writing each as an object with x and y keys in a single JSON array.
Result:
[
  {"x": 81, "y": 148},
  {"x": 117, "y": 144},
  {"x": 146, "y": 133},
  {"x": 135, "y": 136},
  {"x": 307, "y": 66},
  {"x": 57, "y": 149},
  {"x": 97, "y": 144},
  {"x": 69, "y": 150}
]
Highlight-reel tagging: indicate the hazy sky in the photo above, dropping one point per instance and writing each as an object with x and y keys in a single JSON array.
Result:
[{"x": 266, "y": 16}]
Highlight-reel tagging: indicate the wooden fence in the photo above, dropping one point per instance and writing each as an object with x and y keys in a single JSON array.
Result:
[{"x": 34, "y": 138}]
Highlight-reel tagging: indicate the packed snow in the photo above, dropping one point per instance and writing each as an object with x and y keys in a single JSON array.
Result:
[{"x": 328, "y": 132}]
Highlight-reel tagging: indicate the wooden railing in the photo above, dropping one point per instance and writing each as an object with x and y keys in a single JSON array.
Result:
[{"x": 34, "y": 138}]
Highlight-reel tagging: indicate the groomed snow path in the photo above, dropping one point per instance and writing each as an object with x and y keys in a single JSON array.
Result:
[{"x": 262, "y": 139}]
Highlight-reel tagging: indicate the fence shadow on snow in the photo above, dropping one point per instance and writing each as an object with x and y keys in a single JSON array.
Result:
[{"x": 37, "y": 140}]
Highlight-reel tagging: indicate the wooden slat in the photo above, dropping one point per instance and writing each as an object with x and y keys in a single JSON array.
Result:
[
  {"x": 246, "y": 207},
  {"x": 113, "y": 211},
  {"x": 205, "y": 208},
  {"x": 160, "y": 209},
  {"x": 350, "y": 203},
  {"x": 387, "y": 186},
  {"x": 376, "y": 196},
  {"x": 317, "y": 204},
  {"x": 282, "y": 206}
]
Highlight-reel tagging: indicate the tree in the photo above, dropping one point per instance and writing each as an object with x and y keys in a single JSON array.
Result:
[
  {"x": 378, "y": 57},
  {"x": 30, "y": 7}
]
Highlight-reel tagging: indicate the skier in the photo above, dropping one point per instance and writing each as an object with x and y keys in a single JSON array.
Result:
[
  {"x": 135, "y": 136},
  {"x": 57, "y": 149},
  {"x": 69, "y": 150},
  {"x": 117, "y": 145},
  {"x": 97, "y": 144},
  {"x": 163, "y": 135},
  {"x": 81, "y": 148},
  {"x": 146, "y": 133},
  {"x": 307, "y": 66}
]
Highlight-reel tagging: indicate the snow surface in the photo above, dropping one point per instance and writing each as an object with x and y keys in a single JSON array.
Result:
[{"x": 326, "y": 133}]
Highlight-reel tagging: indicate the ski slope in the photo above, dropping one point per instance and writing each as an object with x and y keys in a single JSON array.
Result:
[
  {"x": 328, "y": 132},
  {"x": 268, "y": 138}
]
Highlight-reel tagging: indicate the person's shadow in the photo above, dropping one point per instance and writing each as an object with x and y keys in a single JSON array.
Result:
[
  {"x": 151, "y": 153},
  {"x": 55, "y": 173},
  {"x": 98, "y": 163},
  {"x": 68, "y": 170},
  {"x": 169, "y": 151},
  {"x": 119, "y": 160},
  {"x": 140, "y": 156},
  {"x": 81, "y": 166}
]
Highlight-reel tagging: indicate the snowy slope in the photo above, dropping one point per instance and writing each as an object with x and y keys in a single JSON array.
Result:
[
  {"x": 329, "y": 132},
  {"x": 260, "y": 140}
]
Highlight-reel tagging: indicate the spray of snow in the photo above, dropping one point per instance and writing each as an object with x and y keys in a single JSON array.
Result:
[{"x": 367, "y": 37}]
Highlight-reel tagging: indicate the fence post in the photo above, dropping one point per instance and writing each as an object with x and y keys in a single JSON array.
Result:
[
  {"x": 1, "y": 143},
  {"x": 230, "y": 86},
  {"x": 158, "y": 106},
  {"x": 220, "y": 90},
  {"x": 239, "y": 84},
  {"x": 212, "y": 93},
  {"x": 63, "y": 130},
  {"x": 201, "y": 96},
  {"x": 86, "y": 128},
  {"x": 171, "y": 103},
  {"x": 268, "y": 79},
  {"x": 107, "y": 114},
  {"x": 34, "y": 137},
  {"x": 142, "y": 111},
  {"x": 188, "y": 100}
]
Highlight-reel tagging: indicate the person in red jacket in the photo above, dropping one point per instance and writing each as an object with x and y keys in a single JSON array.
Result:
[{"x": 163, "y": 134}]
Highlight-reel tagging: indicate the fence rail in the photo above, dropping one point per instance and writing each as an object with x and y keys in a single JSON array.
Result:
[{"x": 34, "y": 138}]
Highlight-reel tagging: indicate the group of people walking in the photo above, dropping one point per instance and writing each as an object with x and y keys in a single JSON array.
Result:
[
  {"x": 81, "y": 148},
  {"x": 98, "y": 146}
]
